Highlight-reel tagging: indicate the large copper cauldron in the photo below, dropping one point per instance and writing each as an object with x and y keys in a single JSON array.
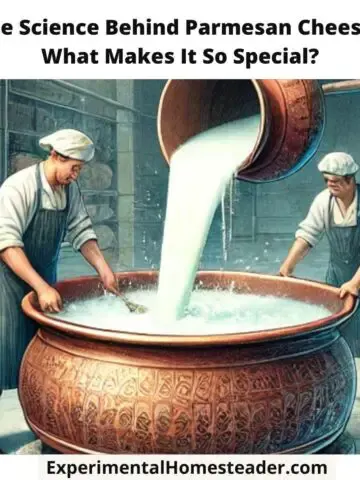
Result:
[
  {"x": 86, "y": 390},
  {"x": 292, "y": 120}
]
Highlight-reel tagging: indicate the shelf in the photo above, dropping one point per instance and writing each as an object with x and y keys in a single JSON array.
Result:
[
  {"x": 107, "y": 193},
  {"x": 108, "y": 222},
  {"x": 25, "y": 132},
  {"x": 35, "y": 98}
]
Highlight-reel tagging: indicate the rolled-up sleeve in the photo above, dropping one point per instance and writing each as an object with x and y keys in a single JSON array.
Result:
[
  {"x": 79, "y": 228},
  {"x": 13, "y": 214},
  {"x": 312, "y": 228}
]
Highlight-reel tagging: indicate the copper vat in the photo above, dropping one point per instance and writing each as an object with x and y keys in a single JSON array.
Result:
[
  {"x": 292, "y": 120},
  {"x": 86, "y": 390}
]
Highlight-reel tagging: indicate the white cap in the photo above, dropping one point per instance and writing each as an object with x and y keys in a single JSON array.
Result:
[
  {"x": 338, "y": 163},
  {"x": 70, "y": 143}
]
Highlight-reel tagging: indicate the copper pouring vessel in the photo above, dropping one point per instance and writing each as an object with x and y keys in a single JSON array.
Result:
[{"x": 292, "y": 119}]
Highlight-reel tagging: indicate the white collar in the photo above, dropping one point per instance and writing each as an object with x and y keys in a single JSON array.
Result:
[
  {"x": 350, "y": 216},
  {"x": 44, "y": 182}
]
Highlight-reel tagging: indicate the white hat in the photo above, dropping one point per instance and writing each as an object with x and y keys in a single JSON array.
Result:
[
  {"x": 69, "y": 143},
  {"x": 338, "y": 163}
]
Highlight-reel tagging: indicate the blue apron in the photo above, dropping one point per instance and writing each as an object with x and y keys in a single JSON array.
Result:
[
  {"x": 343, "y": 264},
  {"x": 42, "y": 242}
]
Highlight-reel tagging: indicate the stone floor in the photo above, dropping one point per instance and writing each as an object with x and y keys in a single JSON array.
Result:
[{"x": 264, "y": 255}]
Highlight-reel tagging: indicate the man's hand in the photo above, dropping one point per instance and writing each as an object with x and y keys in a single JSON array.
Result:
[
  {"x": 49, "y": 299},
  {"x": 109, "y": 281},
  {"x": 93, "y": 255},
  {"x": 285, "y": 270},
  {"x": 298, "y": 251},
  {"x": 349, "y": 287}
]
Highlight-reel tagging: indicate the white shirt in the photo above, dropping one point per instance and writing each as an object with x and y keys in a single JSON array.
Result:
[
  {"x": 18, "y": 204},
  {"x": 319, "y": 218},
  {"x": 52, "y": 199},
  {"x": 350, "y": 217}
]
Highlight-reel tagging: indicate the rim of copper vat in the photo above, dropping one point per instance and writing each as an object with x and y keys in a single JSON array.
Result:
[
  {"x": 147, "y": 278},
  {"x": 263, "y": 128}
]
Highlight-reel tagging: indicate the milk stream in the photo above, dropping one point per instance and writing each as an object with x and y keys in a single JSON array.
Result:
[
  {"x": 231, "y": 209},
  {"x": 223, "y": 227},
  {"x": 227, "y": 212},
  {"x": 200, "y": 171}
]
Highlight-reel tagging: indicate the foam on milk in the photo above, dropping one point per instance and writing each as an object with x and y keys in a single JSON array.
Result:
[
  {"x": 210, "y": 312},
  {"x": 200, "y": 170}
]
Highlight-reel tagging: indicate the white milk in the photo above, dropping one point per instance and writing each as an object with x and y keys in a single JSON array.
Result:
[
  {"x": 209, "y": 313},
  {"x": 199, "y": 172}
]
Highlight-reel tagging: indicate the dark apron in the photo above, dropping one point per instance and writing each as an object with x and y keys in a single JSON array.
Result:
[
  {"x": 343, "y": 264},
  {"x": 42, "y": 242}
]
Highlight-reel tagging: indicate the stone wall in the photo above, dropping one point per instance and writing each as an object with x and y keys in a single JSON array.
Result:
[
  {"x": 37, "y": 108},
  {"x": 280, "y": 206},
  {"x": 151, "y": 176},
  {"x": 126, "y": 190},
  {"x": 268, "y": 210}
]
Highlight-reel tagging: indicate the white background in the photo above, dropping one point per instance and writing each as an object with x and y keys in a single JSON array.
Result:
[
  {"x": 340, "y": 467},
  {"x": 21, "y": 57}
]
